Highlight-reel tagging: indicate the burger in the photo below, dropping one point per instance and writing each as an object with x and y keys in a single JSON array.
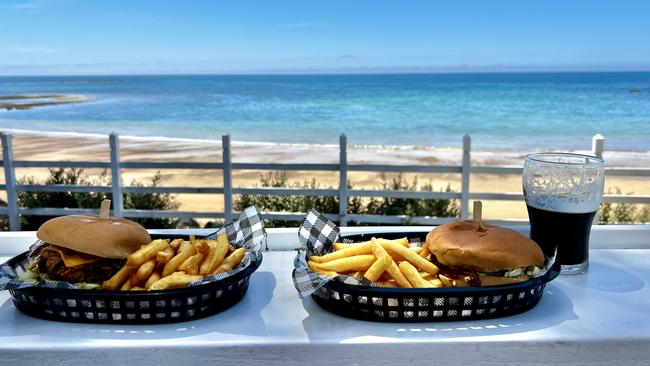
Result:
[
  {"x": 86, "y": 248},
  {"x": 469, "y": 254}
]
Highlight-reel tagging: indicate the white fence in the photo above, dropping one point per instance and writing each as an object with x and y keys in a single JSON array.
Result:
[{"x": 13, "y": 211}]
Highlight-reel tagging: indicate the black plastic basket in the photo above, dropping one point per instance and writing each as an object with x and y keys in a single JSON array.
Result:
[
  {"x": 430, "y": 304},
  {"x": 132, "y": 307}
]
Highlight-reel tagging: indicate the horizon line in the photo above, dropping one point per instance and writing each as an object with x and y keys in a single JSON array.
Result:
[{"x": 342, "y": 73}]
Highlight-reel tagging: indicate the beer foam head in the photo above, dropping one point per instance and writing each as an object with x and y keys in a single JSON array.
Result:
[{"x": 570, "y": 183}]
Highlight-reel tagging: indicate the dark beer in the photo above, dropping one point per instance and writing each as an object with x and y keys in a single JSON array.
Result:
[{"x": 569, "y": 232}]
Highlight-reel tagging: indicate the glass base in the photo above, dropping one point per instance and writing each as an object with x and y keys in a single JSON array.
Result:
[{"x": 573, "y": 269}]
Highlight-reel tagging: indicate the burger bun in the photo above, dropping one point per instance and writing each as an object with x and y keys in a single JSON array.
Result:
[
  {"x": 111, "y": 237},
  {"x": 463, "y": 244}
]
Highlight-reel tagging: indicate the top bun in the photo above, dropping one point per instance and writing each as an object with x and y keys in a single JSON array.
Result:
[
  {"x": 461, "y": 244},
  {"x": 112, "y": 237}
]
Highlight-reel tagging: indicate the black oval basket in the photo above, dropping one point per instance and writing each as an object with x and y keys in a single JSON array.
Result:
[
  {"x": 132, "y": 307},
  {"x": 431, "y": 304}
]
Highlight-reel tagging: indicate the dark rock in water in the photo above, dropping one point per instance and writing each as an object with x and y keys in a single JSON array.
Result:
[{"x": 635, "y": 91}]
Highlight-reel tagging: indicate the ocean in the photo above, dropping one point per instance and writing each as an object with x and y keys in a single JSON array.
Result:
[{"x": 517, "y": 111}]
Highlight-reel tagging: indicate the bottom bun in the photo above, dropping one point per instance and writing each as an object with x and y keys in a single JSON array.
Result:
[{"x": 498, "y": 281}]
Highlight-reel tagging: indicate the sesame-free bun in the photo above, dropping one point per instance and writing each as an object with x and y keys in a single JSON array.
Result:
[
  {"x": 112, "y": 237},
  {"x": 462, "y": 244}
]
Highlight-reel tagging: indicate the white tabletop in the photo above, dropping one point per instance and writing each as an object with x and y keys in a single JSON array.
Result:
[{"x": 597, "y": 318}]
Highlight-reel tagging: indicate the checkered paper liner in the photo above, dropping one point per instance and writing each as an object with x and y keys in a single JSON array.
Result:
[
  {"x": 248, "y": 231},
  {"x": 316, "y": 235}
]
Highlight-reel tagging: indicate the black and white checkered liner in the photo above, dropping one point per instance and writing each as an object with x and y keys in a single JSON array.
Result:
[
  {"x": 248, "y": 231},
  {"x": 317, "y": 234}
]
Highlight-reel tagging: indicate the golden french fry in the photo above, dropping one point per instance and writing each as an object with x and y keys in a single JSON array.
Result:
[
  {"x": 393, "y": 270},
  {"x": 316, "y": 258},
  {"x": 146, "y": 252},
  {"x": 137, "y": 288},
  {"x": 349, "y": 264},
  {"x": 427, "y": 276},
  {"x": 417, "y": 250},
  {"x": 191, "y": 264},
  {"x": 436, "y": 283},
  {"x": 403, "y": 241},
  {"x": 446, "y": 281},
  {"x": 411, "y": 257},
  {"x": 153, "y": 278},
  {"x": 192, "y": 239},
  {"x": 143, "y": 272},
  {"x": 231, "y": 261},
  {"x": 339, "y": 246},
  {"x": 165, "y": 255},
  {"x": 231, "y": 248},
  {"x": 412, "y": 274},
  {"x": 202, "y": 246},
  {"x": 359, "y": 249},
  {"x": 182, "y": 255},
  {"x": 425, "y": 252},
  {"x": 377, "y": 268},
  {"x": 314, "y": 267},
  {"x": 215, "y": 256},
  {"x": 175, "y": 244},
  {"x": 126, "y": 286},
  {"x": 389, "y": 283},
  {"x": 118, "y": 279},
  {"x": 174, "y": 280}
]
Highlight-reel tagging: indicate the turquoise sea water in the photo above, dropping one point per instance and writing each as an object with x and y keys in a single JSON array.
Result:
[{"x": 510, "y": 110}]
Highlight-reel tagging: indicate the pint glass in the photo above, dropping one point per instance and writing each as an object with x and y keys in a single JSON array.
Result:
[{"x": 563, "y": 192}]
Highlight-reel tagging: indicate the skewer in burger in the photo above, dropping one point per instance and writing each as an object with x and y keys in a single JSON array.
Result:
[
  {"x": 470, "y": 253},
  {"x": 87, "y": 248}
]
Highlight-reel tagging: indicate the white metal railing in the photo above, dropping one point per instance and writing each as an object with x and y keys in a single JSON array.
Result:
[{"x": 13, "y": 211}]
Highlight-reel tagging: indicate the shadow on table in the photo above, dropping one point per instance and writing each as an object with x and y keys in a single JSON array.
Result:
[
  {"x": 242, "y": 319},
  {"x": 554, "y": 308},
  {"x": 603, "y": 277}
]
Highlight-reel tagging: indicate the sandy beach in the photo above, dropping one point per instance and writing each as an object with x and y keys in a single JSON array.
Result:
[{"x": 32, "y": 145}]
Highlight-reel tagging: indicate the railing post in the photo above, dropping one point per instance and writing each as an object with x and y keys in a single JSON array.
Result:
[
  {"x": 227, "y": 177},
  {"x": 598, "y": 145},
  {"x": 597, "y": 149},
  {"x": 116, "y": 175},
  {"x": 10, "y": 182},
  {"x": 343, "y": 180},
  {"x": 465, "y": 174}
]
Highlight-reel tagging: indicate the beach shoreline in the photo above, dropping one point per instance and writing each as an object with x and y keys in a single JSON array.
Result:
[{"x": 38, "y": 145}]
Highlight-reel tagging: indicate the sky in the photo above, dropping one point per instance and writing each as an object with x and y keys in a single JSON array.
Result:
[{"x": 44, "y": 37}]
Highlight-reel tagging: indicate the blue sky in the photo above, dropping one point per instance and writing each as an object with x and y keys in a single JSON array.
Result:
[{"x": 165, "y": 36}]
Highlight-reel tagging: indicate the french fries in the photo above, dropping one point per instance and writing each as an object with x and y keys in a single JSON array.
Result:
[
  {"x": 349, "y": 264},
  {"x": 181, "y": 257},
  {"x": 164, "y": 264},
  {"x": 386, "y": 262},
  {"x": 166, "y": 255},
  {"x": 153, "y": 278},
  {"x": 231, "y": 261},
  {"x": 174, "y": 280},
  {"x": 216, "y": 254},
  {"x": 377, "y": 268},
  {"x": 392, "y": 270},
  {"x": 412, "y": 274},
  {"x": 143, "y": 272},
  {"x": 118, "y": 279},
  {"x": 191, "y": 264},
  {"x": 412, "y": 257},
  {"x": 146, "y": 252}
]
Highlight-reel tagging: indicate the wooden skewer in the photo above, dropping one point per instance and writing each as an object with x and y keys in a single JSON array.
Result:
[
  {"x": 104, "y": 209},
  {"x": 478, "y": 215}
]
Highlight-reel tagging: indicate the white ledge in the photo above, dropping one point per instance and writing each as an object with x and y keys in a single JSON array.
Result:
[{"x": 597, "y": 318}]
